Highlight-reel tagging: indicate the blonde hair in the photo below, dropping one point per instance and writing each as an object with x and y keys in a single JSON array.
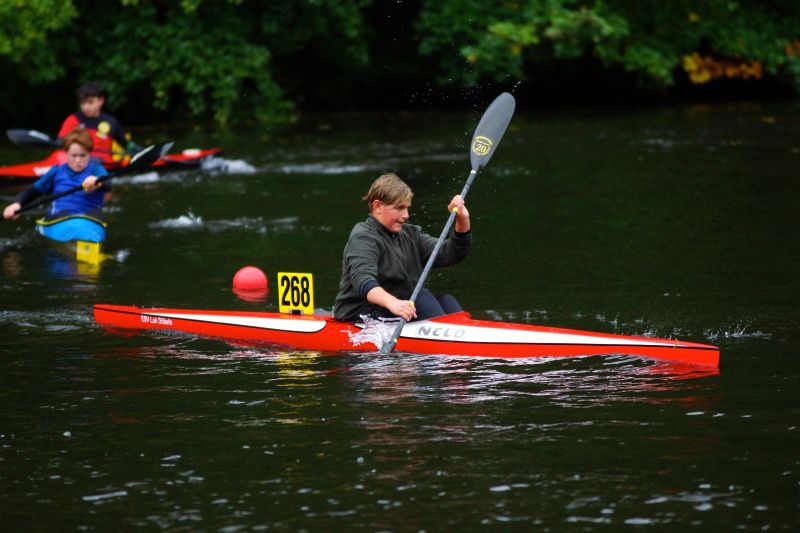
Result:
[
  {"x": 78, "y": 135},
  {"x": 389, "y": 189}
]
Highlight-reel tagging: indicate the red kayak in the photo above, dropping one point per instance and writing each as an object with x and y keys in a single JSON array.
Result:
[
  {"x": 455, "y": 334},
  {"x": 186, "y": 159}
]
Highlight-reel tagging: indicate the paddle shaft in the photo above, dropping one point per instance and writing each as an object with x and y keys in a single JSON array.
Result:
[
  {"x": 389, "y": 345},
  {"x": 50, "y": 198}
]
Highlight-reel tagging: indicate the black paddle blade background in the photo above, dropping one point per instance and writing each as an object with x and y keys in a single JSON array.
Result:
[
  {"x": 147, "y": 157},
  {"x": 490, "y": 130},
  {"x": 31, "y": 138}
]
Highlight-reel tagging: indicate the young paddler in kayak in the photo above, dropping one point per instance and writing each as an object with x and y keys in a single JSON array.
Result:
[
  {"x": 384, "y": 258},
  {"x": 109, "y": 139},
  {"x": 80, "y": 169}
]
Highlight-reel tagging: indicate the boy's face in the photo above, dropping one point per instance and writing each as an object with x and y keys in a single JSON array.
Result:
[
  {"x": 391, "y": 216},
  {"x": 77, "y": 157},
  {"x": 92, "y": 105}
]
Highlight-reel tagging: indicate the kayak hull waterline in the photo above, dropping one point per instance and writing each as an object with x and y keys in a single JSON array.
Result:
[
  {"x": 456, "y": 334},
  {"x": 186, "y": 159}
]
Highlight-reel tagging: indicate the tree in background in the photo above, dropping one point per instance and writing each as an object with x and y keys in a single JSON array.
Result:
[
  {"x": 654, "y": 40},
  {"x": 194, "y": 57},
  {"x": 245, "y": 59},
  {"x": 25, "y": 28}
]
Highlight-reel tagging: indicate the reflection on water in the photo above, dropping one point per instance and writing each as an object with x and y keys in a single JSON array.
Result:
[
  {"x": 56, "y": 261},
  {"x": 346, "y": 437},
  {"x": 251, "y": 295},
  {"x": 255, "y": 225},
  {"x": 12, "y": 264},
  {"x": 573, "y": 382},
  {"x": 59, "y": 265},
  {"x": 219, "y": 165}
]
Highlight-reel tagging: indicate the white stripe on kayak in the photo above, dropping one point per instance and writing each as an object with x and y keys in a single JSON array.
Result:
[
  {"x": 283, "y": 324},
  {"x": 441, "y": 331},
  {"x": 429, "y": 330}
]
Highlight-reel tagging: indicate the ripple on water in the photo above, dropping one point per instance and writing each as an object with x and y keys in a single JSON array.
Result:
[
  {"x": 255, "y": 224},
  {"x": 641, "y": 327},
  {"x": 62, "y": 320},
  {"x": 189, "y": 220},
  {"x": 219, "y": 165},
  {"x": 323, "y": 168},
  {"x": 139, "y": 179}
]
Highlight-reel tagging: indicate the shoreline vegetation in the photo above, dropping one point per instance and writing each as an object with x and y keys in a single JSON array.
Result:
[{"x": 240, "y": 61}]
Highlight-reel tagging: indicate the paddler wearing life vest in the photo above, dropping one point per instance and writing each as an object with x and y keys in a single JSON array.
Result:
[
  {"x": 385, "y": 256},
  {"x": 108, "y": 136},
  {"x": 80, "y": 169}
]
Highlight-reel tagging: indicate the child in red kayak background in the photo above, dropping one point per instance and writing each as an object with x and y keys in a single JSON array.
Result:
[
  {"x": 384, "y": 258},
  {"x": 107, "y": 134},
  {"x": 80, "y": 169}
]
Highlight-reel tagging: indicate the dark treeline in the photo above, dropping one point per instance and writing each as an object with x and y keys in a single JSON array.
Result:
[{"x": 242, "y": 60}]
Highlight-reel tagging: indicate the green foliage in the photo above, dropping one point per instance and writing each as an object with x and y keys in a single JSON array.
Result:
[
  {"x": 235, "y": 60},
  {"x": 25, "y": 27},
  {"x": 647, "y": 37},
  {"x": 199, "y": 57},
  {"x": 189, "y": 59}
]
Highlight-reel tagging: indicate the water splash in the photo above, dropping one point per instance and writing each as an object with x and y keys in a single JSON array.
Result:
[
  {"x": 227, "y": 166},
  {"x": 321, "y": 168},
  {"x": 138, "y": 179},
  {"x": 736, "y": 331},
  {"x": 285, "y": 221},
  {"x": 66, "y": 320},
  {"x": 121, "y": 255},
  {"x": 376, "y": 331},
  {"x": 256, "y": 224},
  {"x": 189, "y": 220}
]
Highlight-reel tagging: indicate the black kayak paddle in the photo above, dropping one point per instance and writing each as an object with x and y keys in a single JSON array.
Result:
[{"x": 32, "y": 138}]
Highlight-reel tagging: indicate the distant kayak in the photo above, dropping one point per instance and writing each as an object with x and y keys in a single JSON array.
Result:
[{"x": 186, "y": 159}]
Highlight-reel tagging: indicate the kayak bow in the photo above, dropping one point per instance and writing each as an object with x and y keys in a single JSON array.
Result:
[{"x": 456, "y": 334}]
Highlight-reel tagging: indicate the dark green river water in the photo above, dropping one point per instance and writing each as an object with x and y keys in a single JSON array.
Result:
[{"x": 677, "y": 222}]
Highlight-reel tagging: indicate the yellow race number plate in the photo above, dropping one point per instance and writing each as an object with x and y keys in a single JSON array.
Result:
[{"x": 295, "y": 293}]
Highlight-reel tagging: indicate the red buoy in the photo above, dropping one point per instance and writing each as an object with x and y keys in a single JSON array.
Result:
[
  {"x": 250, "y": 284},
  {"x": 249, "y": 278}
]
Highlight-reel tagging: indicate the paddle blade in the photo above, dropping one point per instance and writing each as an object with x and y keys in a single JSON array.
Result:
[
  {"x": 150, "y": 155},
  {"x": 142, "y": 160},
  {"x": 32, "y": 138},
  {"x": 490, "y": 130}
]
